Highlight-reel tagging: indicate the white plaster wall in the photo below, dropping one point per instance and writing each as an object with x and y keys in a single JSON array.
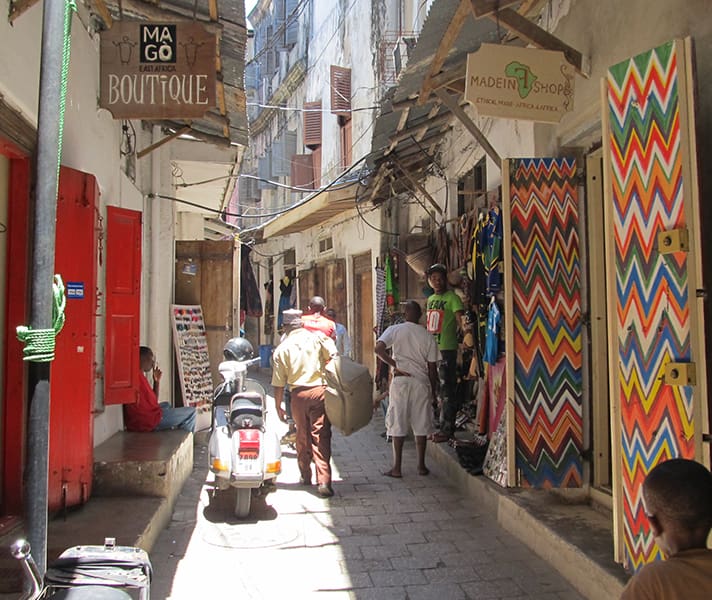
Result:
[{"x": 91, "y": 144}]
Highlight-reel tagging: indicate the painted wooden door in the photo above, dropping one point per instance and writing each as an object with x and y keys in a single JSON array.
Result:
[
  {"x": 123, "y": 302},
  {"x": 654, "y": 269},
  {"x": 543, "y": 323},
  {"x": 72, "y": 382},
  {"x": 206, "y": 275},
  {"x": 16, "y": 313},
  {"x": 364, "y": 338}
]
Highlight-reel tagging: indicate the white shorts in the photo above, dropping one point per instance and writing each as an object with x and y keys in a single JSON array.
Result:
[{"x": 409, "y": 406}]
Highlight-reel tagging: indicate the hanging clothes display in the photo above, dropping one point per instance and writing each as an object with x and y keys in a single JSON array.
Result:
[
  {"x": 492, "y": 340},
  {"x": 478, "y": 293},
  {"x": 286, "y": 289},
  {"x": 492, "y": 251},
  {"x": 380, "y": 300},
  {"x": 250, "y": 300},
  {"x": 392, "y": 294}
]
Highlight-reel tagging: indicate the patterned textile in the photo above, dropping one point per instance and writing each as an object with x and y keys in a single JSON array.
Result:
[
  {"x": 380, "y": 300},
  {"x": 546, "y": 290},
  {"x": 649, "y": 151}
]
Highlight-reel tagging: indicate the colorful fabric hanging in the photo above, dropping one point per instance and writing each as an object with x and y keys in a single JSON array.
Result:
[
  {"x": 492, "y": 251},
  {"x": 492, "y": 340},
  {"x": 380, "y": 300},
  {"x": 392, "y": 294}
]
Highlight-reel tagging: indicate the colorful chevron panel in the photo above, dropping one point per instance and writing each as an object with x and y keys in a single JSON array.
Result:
[
  {"x": 644, "y": 143},
  {"x": 546, "y": 288}
]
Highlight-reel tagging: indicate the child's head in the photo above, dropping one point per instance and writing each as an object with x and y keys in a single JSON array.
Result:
[{"x": 677, "y": 496}]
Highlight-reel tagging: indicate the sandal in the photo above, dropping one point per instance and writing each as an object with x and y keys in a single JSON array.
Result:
[{"x": 439, "y": 437}]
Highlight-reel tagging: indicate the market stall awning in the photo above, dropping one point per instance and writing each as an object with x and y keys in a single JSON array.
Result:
[
  {"x": 314, "y": 210},
  {"x": 419, "y": 110}
]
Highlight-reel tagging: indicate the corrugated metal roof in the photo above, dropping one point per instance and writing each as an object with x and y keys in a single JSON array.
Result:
[
  {"x": 231, "y": 127},
  {"x": 428, "y": 122}
]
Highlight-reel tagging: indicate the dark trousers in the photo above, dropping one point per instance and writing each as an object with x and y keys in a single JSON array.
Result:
[
  {"x": 313, "y": 433},
  {"x": 447, "y": 372}
]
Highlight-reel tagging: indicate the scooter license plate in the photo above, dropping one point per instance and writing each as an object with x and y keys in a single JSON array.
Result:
[{"x": 246, "y": 464}]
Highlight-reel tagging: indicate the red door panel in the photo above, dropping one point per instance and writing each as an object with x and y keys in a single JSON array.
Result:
[
  {"x": 72, "y": 379},
  {"x": 123, "y": 299},
  {"x": 17, "y": 313}
]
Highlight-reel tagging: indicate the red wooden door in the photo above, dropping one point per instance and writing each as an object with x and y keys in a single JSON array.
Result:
[
  {"x": 123, "y": 299},
  {"x": 72, "y": 378},
  {"x": 17, "y": 313}
]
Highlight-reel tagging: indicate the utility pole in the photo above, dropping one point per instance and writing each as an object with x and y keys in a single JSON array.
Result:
[{"x": 45, "y": 216}]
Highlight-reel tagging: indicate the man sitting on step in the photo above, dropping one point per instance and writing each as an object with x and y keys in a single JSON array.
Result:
[{"x": 146, "y": 414}]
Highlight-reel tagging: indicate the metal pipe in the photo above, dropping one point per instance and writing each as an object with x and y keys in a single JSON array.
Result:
[{"x": 45, "y": 215}]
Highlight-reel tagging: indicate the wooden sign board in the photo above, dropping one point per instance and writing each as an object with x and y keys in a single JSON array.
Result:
[
  {"x": 519, "y": 83},
  {"x": 157, "y": 70}
]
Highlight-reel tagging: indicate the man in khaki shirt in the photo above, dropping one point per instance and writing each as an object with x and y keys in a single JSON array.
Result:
[
  {"x": 298, "y": 361},
  {"x": 677, "y": 498}
]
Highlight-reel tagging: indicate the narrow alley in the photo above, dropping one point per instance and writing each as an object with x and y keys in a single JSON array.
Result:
[{"x": 378, "y": 537}]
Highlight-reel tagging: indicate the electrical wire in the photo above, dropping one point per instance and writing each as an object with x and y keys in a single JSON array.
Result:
[{"x": 314, "y": 110}]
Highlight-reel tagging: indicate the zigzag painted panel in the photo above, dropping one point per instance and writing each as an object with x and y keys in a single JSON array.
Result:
[
  {"x": 546, "y": 290},
  {"x": 652, "y": 304}
]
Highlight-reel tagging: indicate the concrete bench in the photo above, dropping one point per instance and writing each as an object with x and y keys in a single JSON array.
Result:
[{"x": 143, "y": 464}]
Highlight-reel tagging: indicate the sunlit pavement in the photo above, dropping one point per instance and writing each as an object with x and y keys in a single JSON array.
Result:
[{"x": 378, "y": 537}]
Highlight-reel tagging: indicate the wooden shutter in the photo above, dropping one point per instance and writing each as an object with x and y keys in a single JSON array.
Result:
[
  {"x": 302, "y": 171},
  {"x": 341, "y": 91},
  {"x": 346, "y": 149},
  {"x": 123, "y": 303},
  {"x": 283, "y": 150},
  {"x": 312, "y": 124},
  {"x": 264, "y": 170},
  {"x": 291, "y": 33}
]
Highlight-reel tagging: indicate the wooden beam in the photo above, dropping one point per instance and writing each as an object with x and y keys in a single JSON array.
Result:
[
  {"x": 459, "y": 112},
  {"x": 535, "y": 35},
  {"x": 18, "y": 7},
  {"x": 159, "y": 143},
  {"x": 153, "y": 12},
  {"x": 484, "y": 8},
  {"x": 424, "y": 123},
  {"x": 103, "y": 11},
  {"x": 417, "y": 185},
  {"x": 198, "y": 135},
  {"x": 380, "y": 174},
  {"x": 448, "y": 39},
  {"x": 453, "y": 74},
  {"x": 213, "y": 9}
]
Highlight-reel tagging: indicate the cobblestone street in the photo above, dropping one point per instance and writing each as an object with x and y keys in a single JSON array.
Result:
[{"x": 376, "y": 538}]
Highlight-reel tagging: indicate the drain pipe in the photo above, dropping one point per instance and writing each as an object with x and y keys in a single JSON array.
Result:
[
  {"x": 45, "y": 216},
  {"x": 154, "y": 285}
]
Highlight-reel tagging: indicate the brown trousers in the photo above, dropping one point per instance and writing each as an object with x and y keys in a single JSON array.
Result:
[{"x": 313, "y": 433}]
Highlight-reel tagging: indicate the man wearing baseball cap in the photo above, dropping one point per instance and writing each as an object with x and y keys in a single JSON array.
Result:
[{"x": 444, "y": 316}]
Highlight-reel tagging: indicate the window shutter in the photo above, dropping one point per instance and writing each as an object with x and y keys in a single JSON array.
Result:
[
  {"x": 282, "y": 151},
  {"x": 312, "y": 123},
  {"x": 291, "y": 33},
  {"x": 264, "y": 170},
  {"x": 302, "y": 174},
  {"x": 340, "y": 91}
]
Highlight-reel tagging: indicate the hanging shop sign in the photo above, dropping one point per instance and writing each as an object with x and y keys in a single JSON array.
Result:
[
  {"x": 519, "y": 83},
  {"x": 157, "y": 70}
]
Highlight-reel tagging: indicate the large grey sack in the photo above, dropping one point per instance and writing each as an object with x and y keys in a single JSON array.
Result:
[{"x": 349, "y": 394}]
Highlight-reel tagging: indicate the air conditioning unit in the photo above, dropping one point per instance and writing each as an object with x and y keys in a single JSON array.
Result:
[{"x": 401, "y": 52}]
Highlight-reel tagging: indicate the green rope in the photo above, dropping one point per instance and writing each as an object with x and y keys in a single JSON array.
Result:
[
  {"x": 69, "y": 9},
  {"x": 39, "y": 343}
]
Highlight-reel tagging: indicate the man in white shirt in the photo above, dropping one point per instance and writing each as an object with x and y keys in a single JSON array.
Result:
[
  {"x": 413, "y": 387},
  {"x": 343, "y": 340}
]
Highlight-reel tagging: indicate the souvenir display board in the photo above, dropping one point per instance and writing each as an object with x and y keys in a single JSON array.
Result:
[
  {"x": 654, "y": 315},
  {"x": 544, "y": 370},
  {"x": 191, "y": 346}
]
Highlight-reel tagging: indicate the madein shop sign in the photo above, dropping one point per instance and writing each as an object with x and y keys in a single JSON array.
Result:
[
  {"x": 157, "y": 70},
  {"x": 519, "y": 83}
]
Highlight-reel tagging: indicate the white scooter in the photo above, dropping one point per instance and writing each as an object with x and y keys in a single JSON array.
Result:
[{"x": 244, "y": 452}]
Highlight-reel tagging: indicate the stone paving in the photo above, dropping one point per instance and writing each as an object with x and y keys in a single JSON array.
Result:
[{"x": 411, "y": 538}]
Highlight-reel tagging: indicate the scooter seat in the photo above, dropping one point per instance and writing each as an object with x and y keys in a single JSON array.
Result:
[
  {"x": 252, "y": 397},
  {"x": 94, "y": 592}
]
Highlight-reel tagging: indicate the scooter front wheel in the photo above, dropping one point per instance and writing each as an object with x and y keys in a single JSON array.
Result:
[{"x": 243, "y": 498}]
